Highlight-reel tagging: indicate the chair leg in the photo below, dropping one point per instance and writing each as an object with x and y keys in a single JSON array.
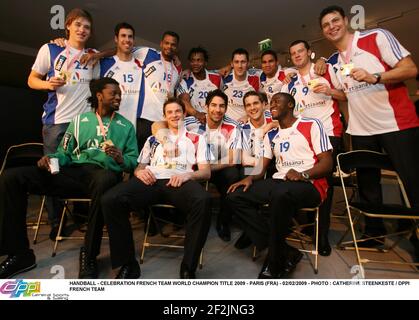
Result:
[
  {"x": 201, "y": 259},
  {"x": 58, "y": 237},
  {"x": 358, "y": 257},
  {"x": 316, "y": 254},
  {"x": 38, "y": 223},
  {"x": 145, "y": 243},
  {"x": 340, "y": 244},
  {"x": 254, "y": 254}
]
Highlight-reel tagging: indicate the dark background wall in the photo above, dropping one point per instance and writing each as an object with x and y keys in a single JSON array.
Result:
[{"x": 21, "y": 121}]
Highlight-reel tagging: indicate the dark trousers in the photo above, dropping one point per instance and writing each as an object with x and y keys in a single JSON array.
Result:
[
  {"x": 76, "y": 181},
  {"x": 52, "y": 135},
  {"x": 403, "y": 150},
  {"x": 190, "y": 199},
  {"x": 284, "y": 199},
  {"x": 326, "y": 206},
  {"x": 143, "y": 132},
  {"x": 223, "y": 179}
]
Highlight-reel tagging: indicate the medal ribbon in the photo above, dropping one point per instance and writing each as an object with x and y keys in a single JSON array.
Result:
[
  {"x": 102, "y": 127},
  {"x": 302, "y": 77},
  {"x": 75, "y": 58},
  {"x": 347, "y": 57},
  {"x": 168, "y": 80}
]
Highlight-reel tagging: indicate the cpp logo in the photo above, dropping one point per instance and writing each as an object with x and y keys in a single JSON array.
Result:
[{"x": 19, "y": 287}]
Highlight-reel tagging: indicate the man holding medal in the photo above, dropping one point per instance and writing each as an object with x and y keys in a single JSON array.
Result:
[
  {"x": 160, "y": 178},
  {"x": 372, "y": 65},
  {"x": 67, "y": 83},
  {"x": 96, "y": 148},
  {"x": 317, "y": 97}
]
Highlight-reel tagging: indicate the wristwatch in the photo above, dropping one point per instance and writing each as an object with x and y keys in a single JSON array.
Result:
[
  {"x": 377, "y": 77},
  {"x": 305, "y": 175}
]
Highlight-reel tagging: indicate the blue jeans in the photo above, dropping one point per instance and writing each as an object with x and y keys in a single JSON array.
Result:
[{"x": 52, "y": 135}]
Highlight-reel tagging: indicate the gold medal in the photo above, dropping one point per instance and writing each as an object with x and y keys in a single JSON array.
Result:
[
  {"x": 346, "y": 69},
  {"x": 65, "y": 76},
  {"x": 107, "y": 143},
  {"x": 312, "y": 83}
]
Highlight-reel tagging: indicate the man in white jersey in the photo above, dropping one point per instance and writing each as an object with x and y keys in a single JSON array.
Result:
[
  {"x": 159, "y": 178},
  {"x": 161, "y": 75},
  {"x": 194, "y": 88},
  {"x": 272, "y": 77},
  {"x": 303, "y": 159},
  {"x": 67, "y": 82},
  {"x": 317, "y": 97},
  {"x": 371, "y": 66},
  {"x": 125, "y": 69},
  {"x": 253, "y": 131},
  {"x": 223, "y": 137},
  {"x": 237, "y": 83}
]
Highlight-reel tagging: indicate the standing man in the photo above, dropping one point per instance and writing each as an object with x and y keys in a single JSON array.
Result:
[
  {"x": 67, "y": 83},
  {"x": 194, "y": 88},
  {"x": 303, "y": 159},
  {"x": 371, "y": 66},
  {"x": 96, "y": 148},
  {"x": 272, "y": 77},
  {"x": 237, "y": 83},
  {"x": 161, "y": 75},
  {"x": 125, "y": 69},
  {"x": 223, "y": 137},
  {"x": 160, "y": 79},
  {"x": 317, "y": 97},
  {"x": 159, "y": 178}
]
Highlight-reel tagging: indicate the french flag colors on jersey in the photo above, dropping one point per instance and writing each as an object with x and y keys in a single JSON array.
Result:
[
  {"x": 192, "y": 150},
  {"x": 297, "y": 148},
  {"x": 129, "y": 76},
  {"x": 160, "y": 79},
  {"x": 317, "y": 105},
  {"x": 198, "y": 89},
  {"x": 69, "y": 100},
  {"x": 270, "y": 86},
  {"x": 380, "y": 108},
  {"x": 253, "y": 137},
  {"x": 219, "y": 141},
  {"x": 235, "y": 90}
]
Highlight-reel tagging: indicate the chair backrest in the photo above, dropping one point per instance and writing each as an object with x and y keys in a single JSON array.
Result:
[
  {"x": 359, "y": 159},
  {"x": 348, "y": 162},
  {"x": 25, "y": 154}
]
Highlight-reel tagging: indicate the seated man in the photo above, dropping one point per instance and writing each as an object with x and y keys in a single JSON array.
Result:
[
  {"x": 223, "y": 137},
  {"x": 161, "y": 178},
  {"x": 96, "y": 148},
  {"x": 302, "y": 150},
  {"x": 259, "y": 122}
]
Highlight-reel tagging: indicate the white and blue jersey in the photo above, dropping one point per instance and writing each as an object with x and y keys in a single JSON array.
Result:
[
  {"x": 69, "y": 100},
  {"x": 129, "y": 75},
  {"x": 235, "y": 91},
  {"x": 160, "y": 79},
  {"x": 219, "y": 141},
  {"x": 316, "y": 105},
  {"x": 253, "y": 137},
  {"x": 192, "y": 151},
  {"x": 198, "y": 89},
  {"x": 297, "y": 148}
]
